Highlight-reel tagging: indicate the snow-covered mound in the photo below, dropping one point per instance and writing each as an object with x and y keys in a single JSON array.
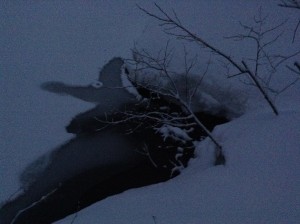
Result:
[{"x": 260, "y": 182}]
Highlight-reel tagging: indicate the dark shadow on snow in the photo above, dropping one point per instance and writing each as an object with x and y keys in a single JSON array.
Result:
[{"x": 103, "y": 159}]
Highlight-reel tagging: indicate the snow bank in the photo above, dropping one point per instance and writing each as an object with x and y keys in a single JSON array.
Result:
[{"x": 260, "y": 182}]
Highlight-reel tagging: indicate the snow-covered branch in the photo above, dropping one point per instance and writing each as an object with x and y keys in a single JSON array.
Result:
[{"x": 170, "y": 92}]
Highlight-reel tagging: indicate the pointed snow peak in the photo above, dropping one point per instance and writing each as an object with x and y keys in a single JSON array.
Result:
[
  {"x": 110, "y": 73},
  {"x": 116, "y": 74},
  {"x": 127, "y": 79}
]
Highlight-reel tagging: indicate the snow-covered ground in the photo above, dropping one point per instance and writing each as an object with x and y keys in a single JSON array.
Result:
[
  {"x": 45, "y": 41},
  {"x": 260, "y": 182},
  {"x": 68, "y": 41}
]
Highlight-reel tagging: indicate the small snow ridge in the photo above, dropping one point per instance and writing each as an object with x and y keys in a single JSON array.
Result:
[{"x": 127, "y": 84}]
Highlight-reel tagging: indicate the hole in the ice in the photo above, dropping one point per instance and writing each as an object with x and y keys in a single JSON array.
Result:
[
  {"x": 97, "y": 84},
  {"x": 89, "y": 186}
]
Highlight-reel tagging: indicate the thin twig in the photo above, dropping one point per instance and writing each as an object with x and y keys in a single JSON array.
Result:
[
  {"x": 295, "y": 31},
  {"x": 43, "y": 198},
  {"x": 172, "y": 26}
]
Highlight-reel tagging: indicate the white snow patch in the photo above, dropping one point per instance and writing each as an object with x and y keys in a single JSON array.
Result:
[
  {"x": 168, "y": 131},
  {"x": 97, "y": 84},
  {"x": 127, "y": 84}
]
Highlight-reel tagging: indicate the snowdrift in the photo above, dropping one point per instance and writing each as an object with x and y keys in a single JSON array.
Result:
[{"x": 260, "y": 182}]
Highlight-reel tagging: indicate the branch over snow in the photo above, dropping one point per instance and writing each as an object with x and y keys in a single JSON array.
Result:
[
  {"x": 294, "y": 4},
  {"x": 143, "y": 60},
  {"x": 32, "y": 205},
  {"x": 173, "y": 26}
]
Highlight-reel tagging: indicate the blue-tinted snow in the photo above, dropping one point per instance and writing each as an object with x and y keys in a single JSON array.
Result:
[
  {"x": 69, "y": 41},
  {"x": 259, "y": 183}
]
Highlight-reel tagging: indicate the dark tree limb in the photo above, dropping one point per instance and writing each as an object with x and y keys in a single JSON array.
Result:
[{"x": 294, "y": 4}]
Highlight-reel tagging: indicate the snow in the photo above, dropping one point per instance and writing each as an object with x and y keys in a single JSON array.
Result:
[
  {"x": 69, "y": 41},
  {"x": 47, "y": 41},
  {"x": 259, "y": 184},
  {"x": 97, "y": 84},
  {"x": 127, "y": 84},
  {"x": 169, "y": 131}
]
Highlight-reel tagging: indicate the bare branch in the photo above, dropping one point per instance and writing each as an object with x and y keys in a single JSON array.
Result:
[
  {"x": 187, "y": 34},
  {"x": 297, "y": 65},
  {"x": 180, "y": 31},
  {"x": 285, "y": 58},
  {"x": 289, "y": 85},
  {"x": 199, "y": 82},
  {"x": 295, "y": 4},
  {"x": 295, "y": 31},
  {"x": 274, "y": 28},
  {"x": 295, "y": 70},
  {"x": 201, "y": 125},
  {"x": 43, "y": 198},
  {"x": 188, "y": 118},
  {"x": 261, "y": 89},
  {"x": 237, "y": 74},
  {"x": 145, "y": 151}
]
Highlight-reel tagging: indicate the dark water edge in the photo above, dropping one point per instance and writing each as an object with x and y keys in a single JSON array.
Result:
[
  {"x": 84, "y": 189},
  {"x": 91, "y": 186}
]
